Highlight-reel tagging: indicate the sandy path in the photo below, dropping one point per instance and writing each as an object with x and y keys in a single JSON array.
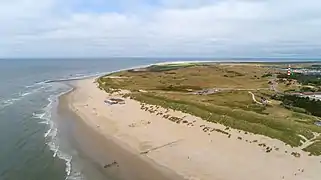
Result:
[
  {"x": 195, "y": 150},
  {"x": 253, "y": 98}
]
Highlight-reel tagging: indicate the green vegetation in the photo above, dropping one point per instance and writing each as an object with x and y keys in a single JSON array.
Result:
[
  {"x": 248, "y": 121},
  {"x": 314, "y": 149},
  {"x": 195, "y": 76},
  {"x": 301, "y": 104},
  {"x": 233, "y": 99},
  {"x": 177, "y": 87},
  {"x": 165, "y": 67},
  {"x": 315, "y": 66},
  {"x": 303, "y": 79},
  {"x": 308, "y": 89},
  {"x": 168, "y": 67},
  {"x": 266, "y": 75}
]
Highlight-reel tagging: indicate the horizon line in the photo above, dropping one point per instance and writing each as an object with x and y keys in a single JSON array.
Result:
[{"x": 151, "y": 57}]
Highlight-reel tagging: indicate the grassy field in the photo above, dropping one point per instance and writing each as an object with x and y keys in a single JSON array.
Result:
[
  {"x": 231, "y": 104},
  {"x": 200, "y": 77}
]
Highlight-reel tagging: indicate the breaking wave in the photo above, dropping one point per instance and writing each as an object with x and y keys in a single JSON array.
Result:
[
  {"x": 52, "y": 140},
  {"x": 19, "y": 96}
]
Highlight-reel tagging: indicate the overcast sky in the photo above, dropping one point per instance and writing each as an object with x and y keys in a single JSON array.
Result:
[{"x": 168, "y": 28}]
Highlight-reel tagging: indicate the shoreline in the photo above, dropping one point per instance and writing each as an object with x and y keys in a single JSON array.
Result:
[
  {"x": 107, "y": 150},
  {"x": 189, "y": 152}
]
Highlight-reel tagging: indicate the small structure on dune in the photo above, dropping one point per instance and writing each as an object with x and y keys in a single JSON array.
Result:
[
  {"x": 207, "y": 91},
  {"x": 318, "y": 123},
  {"x": 264, "y": 101},
  {"x": 113, "y": 101}
]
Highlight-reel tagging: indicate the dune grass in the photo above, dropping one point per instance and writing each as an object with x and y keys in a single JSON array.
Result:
[
  {"x": 282, "y": 129},
  {"x": 173, "y": 88},
  {"x": 314, "y": 149},
  {"x": 203, "y": 76}
]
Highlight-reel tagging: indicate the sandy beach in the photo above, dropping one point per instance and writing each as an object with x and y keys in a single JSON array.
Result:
[{"x": 192, "y": 151}]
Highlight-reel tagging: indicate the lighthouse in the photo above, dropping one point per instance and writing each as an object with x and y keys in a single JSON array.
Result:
[{"x": 289, "y": 70}]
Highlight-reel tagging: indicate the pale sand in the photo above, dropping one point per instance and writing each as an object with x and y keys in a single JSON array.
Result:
[{"x": 193, "y": 153}]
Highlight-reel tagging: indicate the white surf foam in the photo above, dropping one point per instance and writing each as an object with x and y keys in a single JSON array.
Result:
[
  {"x": 36, "y": 84},
  {"x": 52, "y": 139},
  {"x": 54, "y": 147},
  {"x": 48, "y": 132},
  {"x": 75, "y": 176},
  {"x": 38, "y": 115},
  {"x": 74, "y": 77},
  {"x": 52, "y": 131},
  {"x": 19, "y": 96},
  {"x": 8, "y": 102},
  {"x": 46, "y": 112},
  {"x": 26, "y": 94},
  {"x": 22, "y": 94}
]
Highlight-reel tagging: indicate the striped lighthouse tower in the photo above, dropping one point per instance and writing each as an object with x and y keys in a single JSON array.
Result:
[{"x": 289, "y": 70}]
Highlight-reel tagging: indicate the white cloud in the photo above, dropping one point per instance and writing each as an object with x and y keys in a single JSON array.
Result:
[{"x": 169, "y": 28}]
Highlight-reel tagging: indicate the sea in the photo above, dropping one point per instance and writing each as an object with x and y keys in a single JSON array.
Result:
[{"x": 33, "y": 145}]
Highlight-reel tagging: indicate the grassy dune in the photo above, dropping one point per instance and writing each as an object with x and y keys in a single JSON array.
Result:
[
  {"x": 174, "y": 87},
  {"x": 315, "y": 148}
]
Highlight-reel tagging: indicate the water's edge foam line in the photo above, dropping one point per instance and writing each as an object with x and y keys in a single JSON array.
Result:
[{"x": 55, "y": 147}]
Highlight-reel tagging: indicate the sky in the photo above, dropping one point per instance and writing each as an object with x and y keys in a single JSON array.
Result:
[{"x": 160, "y": 28}]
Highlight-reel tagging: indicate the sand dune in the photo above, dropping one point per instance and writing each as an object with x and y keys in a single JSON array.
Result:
[{"x": 195, "y": 149}]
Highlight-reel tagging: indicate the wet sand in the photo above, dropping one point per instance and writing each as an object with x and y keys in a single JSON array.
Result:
[{"x": 101, "y": 151}]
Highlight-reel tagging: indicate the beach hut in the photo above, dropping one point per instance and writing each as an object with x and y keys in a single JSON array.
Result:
[
  {"x": 110, "y": 102},
  {"x": 118, "y": 100},
  {"x": 113, "y": 101}
]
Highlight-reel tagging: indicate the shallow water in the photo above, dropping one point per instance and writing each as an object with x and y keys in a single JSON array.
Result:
[{"x": 32, "y": 147}]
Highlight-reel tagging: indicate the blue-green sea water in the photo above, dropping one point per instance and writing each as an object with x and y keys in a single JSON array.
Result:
[{"x": 30, "y": 145}]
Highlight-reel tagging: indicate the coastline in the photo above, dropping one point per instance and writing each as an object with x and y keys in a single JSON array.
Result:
[
  {"x": 106, "y": 149},
  {"x": 63, "y": 107},
  {"x": 40, "y": 142},
  {"x": 190, "y": 153}
]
